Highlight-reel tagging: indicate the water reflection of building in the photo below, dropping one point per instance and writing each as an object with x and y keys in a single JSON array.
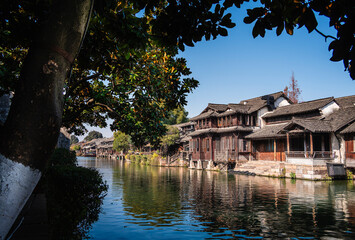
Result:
[
  {"x": 261, "y": 206},
  {"x": 268, "y": 207}
]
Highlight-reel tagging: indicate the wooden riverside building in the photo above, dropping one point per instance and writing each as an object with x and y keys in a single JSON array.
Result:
[
  {"x": 221, "y": 130},
  {"x": 271, "y": 128}
]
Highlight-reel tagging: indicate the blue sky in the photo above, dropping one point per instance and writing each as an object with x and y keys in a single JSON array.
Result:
[{"x": 239, "y": 67}]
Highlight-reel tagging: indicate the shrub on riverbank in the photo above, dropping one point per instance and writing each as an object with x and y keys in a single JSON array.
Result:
[
  {"x": 74, "y": 196},
  {"x": 62, "y": 156},
  {"x": 144, "y": 159}
]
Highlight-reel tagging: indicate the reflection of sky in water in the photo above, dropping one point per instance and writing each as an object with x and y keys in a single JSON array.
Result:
[{"x": 177, "y": 203}]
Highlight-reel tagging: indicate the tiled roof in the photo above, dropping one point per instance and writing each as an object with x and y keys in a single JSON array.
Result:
[
  {"x": 201, "y": 131},
  {"x": 241, "y": 108},
  {"x": 185, "y": 138},
  {"x": 341, "y": 117},
  {"x": 203, "y": 115},
  {"x": 258, "y": 102},
  {"x": 245, "y": 106},
  {"x": 180, "y": 125},
  {"x": 277, "y": 130},
  {"x": 313, "y": 125},
  {"x": 303, "y": 107},
  {"x": 105, "y": 142},
  {"x": 218, "y": 107},
  {"x": 234, "y": 129},
  {"x": 268, "y": 131},
  {"x": 349, "y": 129},
  {"x": 221, "y": 130},
  {"x": 348, "y": 101}
]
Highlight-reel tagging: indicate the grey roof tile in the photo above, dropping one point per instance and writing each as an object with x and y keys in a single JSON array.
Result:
[{"x": 298, "y": 108}]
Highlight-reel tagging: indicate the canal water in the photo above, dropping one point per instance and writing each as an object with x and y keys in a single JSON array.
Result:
[{"x": 145, "y": 202}]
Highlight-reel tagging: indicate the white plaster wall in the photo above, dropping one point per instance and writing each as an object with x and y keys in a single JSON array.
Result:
[
  {"x": 16, "y": 185},
  {"x": 280, "y": 102},
  {"x": 329, "y": 108},
  {"x": 261, "y": 112},
  {"x": 336, "y": 148},
  {"x": 307, "y": 161},
  {"x": 340, "y": 151}
]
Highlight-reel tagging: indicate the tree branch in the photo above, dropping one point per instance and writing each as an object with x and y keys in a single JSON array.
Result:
[
  {"x": 77, "y": 83},
  {"x": 325, "y": 36}
]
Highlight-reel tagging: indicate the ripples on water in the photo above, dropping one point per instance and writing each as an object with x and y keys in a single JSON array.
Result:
[{"x": 146, "y": 202}]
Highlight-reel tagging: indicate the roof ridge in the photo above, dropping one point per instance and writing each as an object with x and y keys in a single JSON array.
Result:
[
  {"x": 345, "y": 96},
  {"x": 217, "y": 103},
  {"x": 261, "y": 96},
  {"x": 315, "y": 100}
]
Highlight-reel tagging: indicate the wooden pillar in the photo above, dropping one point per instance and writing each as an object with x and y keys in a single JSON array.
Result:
[
  {"x": 304, "y": 144},
  {"x": 311, "y": 142},
  {"x": 251, "y": 150},
  {"x": 288, "y": 143},
  {"x": 199, "y": 147},
  {"x": 274, "y": 149},
  {"x": 211, "y": 148},
  {"x": 323, "y": 146},
  {"x": 237, "y": 145}
]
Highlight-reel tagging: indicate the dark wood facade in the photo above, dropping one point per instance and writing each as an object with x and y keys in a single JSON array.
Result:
[
  {"x": 270, "y": 149},
  {"x": 350, "y": 149},
  {"x": 224, "y": 142},
  {"x": 257, "y": 130}
]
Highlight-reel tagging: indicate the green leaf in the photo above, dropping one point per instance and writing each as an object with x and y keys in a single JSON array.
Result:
[
  {"x": 248, "y": 20},
  {"x": 279, "y": 29},
  {"x": 222, "y": 31}
]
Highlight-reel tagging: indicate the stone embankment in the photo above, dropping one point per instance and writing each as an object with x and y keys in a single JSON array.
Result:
[{"x": 282, "y": 169}]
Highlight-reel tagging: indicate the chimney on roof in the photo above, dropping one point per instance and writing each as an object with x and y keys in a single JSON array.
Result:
[{"x": 270, "y": 101}]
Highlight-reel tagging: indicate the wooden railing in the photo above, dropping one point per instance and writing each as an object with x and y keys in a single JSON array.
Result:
[{"x": 307, "y": 154}]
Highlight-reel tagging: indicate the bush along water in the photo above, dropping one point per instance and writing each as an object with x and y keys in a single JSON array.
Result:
[
  {"x": 74, "y": 196},
  {"x": 144, "y": 159}
]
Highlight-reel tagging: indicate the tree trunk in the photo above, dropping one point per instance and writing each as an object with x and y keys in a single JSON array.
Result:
[{"x": 31, "y": 130}]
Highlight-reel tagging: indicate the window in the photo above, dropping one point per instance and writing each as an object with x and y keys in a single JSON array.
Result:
[
  {"x": 233, "y": 143},
  {"x": 199, "y": 123},
  {"x": 269, "y": 147},
  {"x": 227, "y": 143},
  {"x": 203, "y": 123},
  {"x": 243, "y": 145},
  {"x": 253, "y": 120},
  {"x": 208, "y": 145},
  {"x": 230, "y": 120},
  {"x": 197, "y": 145},
  {"x": 218, "y": 144}
]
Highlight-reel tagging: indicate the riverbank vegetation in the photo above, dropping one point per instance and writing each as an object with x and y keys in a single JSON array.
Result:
[
  {"x": 74, "y": 196},
  {"x": 144, "y": 159}
]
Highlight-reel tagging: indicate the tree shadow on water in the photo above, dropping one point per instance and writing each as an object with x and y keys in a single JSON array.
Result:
[{"x": 74, "y": 199}]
